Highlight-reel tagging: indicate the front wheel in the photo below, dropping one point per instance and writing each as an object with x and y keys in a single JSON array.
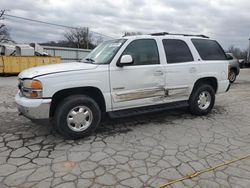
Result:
[
  {"x": 202, "y": 100},
  {"x": 77, "y": 116}
]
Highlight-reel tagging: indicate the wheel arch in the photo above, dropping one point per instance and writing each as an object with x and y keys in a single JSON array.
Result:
[
  {"x": 235, "y": 70},
  {"x": 92, "y": 92},
  {"x": 212, "y": 81}
]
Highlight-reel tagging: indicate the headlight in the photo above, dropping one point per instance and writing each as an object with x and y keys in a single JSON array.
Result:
[{"x": 31, "y": 88}]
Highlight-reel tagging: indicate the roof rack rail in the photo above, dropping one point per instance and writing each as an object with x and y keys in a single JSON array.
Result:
[
  {"x": 182, "y": 34},
  {"x": 161, "y": 33}
]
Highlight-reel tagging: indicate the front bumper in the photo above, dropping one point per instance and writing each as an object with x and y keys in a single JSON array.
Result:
[{"x": 35, "y": 109}]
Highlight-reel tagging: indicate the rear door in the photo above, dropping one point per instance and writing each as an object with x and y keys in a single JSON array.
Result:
[{"x": 181, "y": 69}]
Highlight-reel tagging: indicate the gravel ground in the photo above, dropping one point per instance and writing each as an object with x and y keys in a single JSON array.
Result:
[{"x": 142, "y": 151}]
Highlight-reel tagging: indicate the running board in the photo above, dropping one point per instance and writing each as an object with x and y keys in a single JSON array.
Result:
[{"x": 147, "y": 109}]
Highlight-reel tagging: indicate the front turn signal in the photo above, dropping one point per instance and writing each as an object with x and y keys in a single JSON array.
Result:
[{"x": 35, "y": 84}]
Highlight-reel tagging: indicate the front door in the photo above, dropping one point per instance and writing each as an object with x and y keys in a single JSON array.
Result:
[{"x": 141, "y": 83}]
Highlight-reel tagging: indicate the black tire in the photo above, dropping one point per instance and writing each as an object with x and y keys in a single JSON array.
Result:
[
  {"x": 66, "y": 106},
  {"x": 232, "y": 76},
  {"x": 194, "y": 98}
]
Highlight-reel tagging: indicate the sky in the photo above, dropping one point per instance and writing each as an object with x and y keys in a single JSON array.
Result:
[{"x": 227, "y": 21}]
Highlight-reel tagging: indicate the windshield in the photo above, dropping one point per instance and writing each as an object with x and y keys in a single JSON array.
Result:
[{"x": 104, "y": 52}]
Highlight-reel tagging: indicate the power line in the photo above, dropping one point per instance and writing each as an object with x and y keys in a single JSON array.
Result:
[
  {"x": 53, "y": 24},
  {"x": 38, "y": 21}
]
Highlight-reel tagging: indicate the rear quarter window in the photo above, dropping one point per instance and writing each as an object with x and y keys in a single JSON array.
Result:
[{"x": 209, "y": 49}]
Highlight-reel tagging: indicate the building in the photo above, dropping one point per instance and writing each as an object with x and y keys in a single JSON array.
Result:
[{"x": 67, "y": 54}]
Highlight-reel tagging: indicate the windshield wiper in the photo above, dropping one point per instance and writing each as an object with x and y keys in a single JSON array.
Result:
[{"x": 89, "y": 60}]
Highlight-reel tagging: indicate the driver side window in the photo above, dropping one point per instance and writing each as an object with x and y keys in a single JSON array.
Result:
[{"x": 143, "y": 52}]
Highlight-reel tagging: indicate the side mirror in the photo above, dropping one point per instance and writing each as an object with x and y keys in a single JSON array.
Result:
[{"x": 125, "y": 60}]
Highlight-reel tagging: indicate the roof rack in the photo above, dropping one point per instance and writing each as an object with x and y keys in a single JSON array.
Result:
[{"x": 182, "y": 34}]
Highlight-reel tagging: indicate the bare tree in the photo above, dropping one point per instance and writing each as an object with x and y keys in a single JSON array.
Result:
[
  {"x": 99, "y": 40},
  {"x": 237, "y": 52},
  {"x": 4, "y": 34},
  {"x": 132, "y": 33},
  {"x": 79, "y": 37}
]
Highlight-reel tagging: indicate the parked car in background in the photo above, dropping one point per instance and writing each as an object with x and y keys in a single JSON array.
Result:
[
  {"x": 234, "y": 68},
  {"x": 244, "y": 64}
]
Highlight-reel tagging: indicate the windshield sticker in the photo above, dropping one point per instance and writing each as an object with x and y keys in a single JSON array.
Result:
[{"x": 115, "y": 44}]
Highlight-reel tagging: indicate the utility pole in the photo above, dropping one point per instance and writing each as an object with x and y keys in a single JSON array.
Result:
[
  {"x": 87, "y": 37},
  {"x": 248, "y": 52}
]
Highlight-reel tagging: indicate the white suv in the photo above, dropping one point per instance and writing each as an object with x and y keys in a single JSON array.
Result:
[{"x": 123, "y": 77}]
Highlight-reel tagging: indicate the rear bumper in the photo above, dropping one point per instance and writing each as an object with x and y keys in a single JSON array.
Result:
[
  {"x": 223, "y": 86},
  {"x": 35, "y": 109}
]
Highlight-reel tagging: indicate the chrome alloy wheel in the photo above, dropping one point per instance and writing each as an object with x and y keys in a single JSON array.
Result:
[
  {"x": 79, "y": 118},
  {"x": 204, "y": 100}
]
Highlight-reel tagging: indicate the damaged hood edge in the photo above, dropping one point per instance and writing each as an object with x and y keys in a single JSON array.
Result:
[{"x": 56, "y": 68}]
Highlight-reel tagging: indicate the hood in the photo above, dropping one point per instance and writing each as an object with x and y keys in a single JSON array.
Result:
[{"x": 55, "y": 68}]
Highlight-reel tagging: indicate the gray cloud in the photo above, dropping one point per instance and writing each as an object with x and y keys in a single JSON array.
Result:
[{"x": 224, "y": 20}]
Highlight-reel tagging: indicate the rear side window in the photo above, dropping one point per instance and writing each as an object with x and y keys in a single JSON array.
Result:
[
  {"x": 177, "y": 51},
  {"x": 209, "y": 49}
]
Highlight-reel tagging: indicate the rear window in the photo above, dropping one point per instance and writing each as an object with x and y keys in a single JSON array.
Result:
[{"x": 209, "y": 49}]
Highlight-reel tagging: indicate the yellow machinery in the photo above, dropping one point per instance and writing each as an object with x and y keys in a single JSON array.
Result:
[{"x": 16, "y": 64}]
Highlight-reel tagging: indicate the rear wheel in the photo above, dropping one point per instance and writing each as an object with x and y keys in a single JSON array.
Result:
[
  {"x": 77, "y": 116},
  {"x": 202, "y": 99},
  {"x": 232, "y": 76}
]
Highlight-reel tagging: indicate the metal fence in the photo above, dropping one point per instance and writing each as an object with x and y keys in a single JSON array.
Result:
[{"x": 67, "y": 54}]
